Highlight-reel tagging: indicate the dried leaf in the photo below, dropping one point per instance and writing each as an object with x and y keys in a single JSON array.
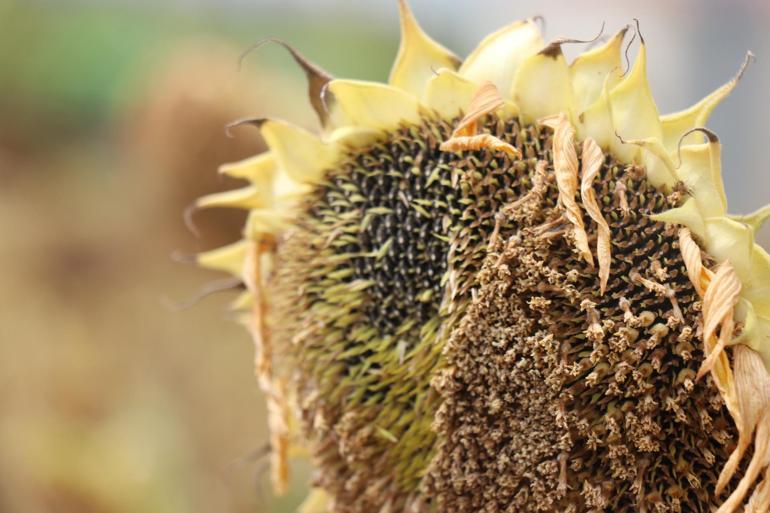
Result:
[
  {"x": 565, "y": 164},
  {"x": 593, "y": 158}
]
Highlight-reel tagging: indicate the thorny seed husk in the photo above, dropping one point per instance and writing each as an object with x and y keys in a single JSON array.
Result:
[{"x": 453, "y": 350}]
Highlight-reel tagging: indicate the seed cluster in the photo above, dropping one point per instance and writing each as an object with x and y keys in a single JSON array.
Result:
[
  {"x": 452, "y": 353},
  {"x": 558, "y": 399}
]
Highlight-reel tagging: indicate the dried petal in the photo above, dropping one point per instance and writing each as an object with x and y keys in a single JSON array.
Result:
[
  {"x": 274, "y": 390},
  {"x": 565, "y": 163},
  {"x": 487, "y": 99},
  {"x": 593, "y": 158},
  {"x": 718, "y": 306},
  {"x": 699, "y": 275},
  {"x": 479, "y": 142},
  {"x": 752, "y": 385}
]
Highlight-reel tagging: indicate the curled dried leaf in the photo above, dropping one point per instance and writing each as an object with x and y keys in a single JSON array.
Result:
[
  {"x": 486, "y": 99},
  {"x": 593, "y": 158},
  {"x": 565, "y": 164},
  {"x": 477, "y": 143}
]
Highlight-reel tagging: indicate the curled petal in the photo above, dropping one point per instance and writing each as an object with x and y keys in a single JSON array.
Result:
[
  {"x": 718, "y": 307},
  {"x": 693, "y": 262},
  {"x": 486, "y": 99},
  {"x": 593, "y": 158},
  {"x": 752, "y": 385},
  {"x": 720, "y": 298},
  {"x": 479, "y": 142},
  {"x": 565, "y": 164}
]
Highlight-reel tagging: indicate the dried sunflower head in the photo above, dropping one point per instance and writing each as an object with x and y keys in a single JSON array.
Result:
[{"x": 505, "y": 284}]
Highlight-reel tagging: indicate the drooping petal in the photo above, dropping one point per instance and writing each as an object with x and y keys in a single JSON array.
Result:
[
  {"x": 499, "y": 55},
  {"x": 418, "y": 56},
  {"x": 370, "y": 105},
  {"x": 542, "y": 85}
]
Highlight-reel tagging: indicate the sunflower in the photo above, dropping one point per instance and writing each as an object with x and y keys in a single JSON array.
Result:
[{"x": 505, "y": 284}]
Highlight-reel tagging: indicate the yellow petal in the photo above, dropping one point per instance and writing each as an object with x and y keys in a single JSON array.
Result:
[
  {"x": 245, "y": 198},
  {"x": 756, "y": 219},
  {"x": 499, "y": 55},
  {"x": 758, "y": 288},
  {"x": 592, "y": 69},
  {"x": 264, "y": 221},
  {"x": 542, "y": 85},
  {"x": 677, "y": 124},
  {"x": 418, "y": 56},
  {"x": 370, "y": 105},
  {"x": 634, "y": 114},
  {"x": 700, "y": 170},
  {"x": 727, "y": 240},
  {"x": 657, "y": 162},
  {"x": 316, "y": 502},
  {"x": 254, "y": 169},
  {"x": 596, "y": 120},
  {"x": 229, "y": 259},
  {"x": 352, "y": 137},
  {"x": 244, "y": 302},
  {"x": 302, "y": 155},
  {"x": 687, "y": 215},
  {"x": 448, "y": 93}
]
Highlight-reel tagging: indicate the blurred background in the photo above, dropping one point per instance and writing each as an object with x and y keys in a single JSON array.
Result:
[{"x": 119, "y": 392}]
